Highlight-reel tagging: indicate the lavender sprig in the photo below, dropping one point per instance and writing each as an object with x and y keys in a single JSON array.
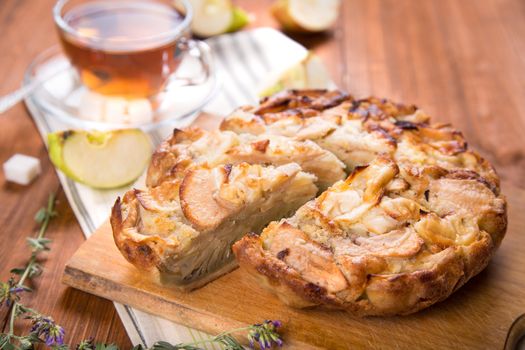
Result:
[
  {"x": 262, "y": 335},
  {"x": 10, "y": 292},
  {"x": 265, "y": 334},
  {"x": 44, "y": 326}
]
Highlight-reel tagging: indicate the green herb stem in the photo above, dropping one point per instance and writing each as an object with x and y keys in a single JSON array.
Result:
[
  {"x": 12, "y": 319},
  {"x": 49, "y": 213},
  {"x": 41, "y": 233},
  {"x": 30, "y": 264}
]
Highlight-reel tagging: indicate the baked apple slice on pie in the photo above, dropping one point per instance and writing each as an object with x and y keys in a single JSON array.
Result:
[{"x": 329, "y": 119}]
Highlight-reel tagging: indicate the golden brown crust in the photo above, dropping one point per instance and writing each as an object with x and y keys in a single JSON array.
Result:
[
  {"x": 301, "y": 102},
  {"x": 140, "y": 253},
  {"x": 416, "y": 219},
  {"x": 274, "y": 274},
  {"x": 168, "y": 160},
  {"x": 384, "y": 295}
]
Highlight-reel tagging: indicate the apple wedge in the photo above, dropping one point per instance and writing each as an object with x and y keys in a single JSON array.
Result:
[
  {"x": 100, "y": 159},
  {"x": 309, "y": 73},
  {"x": 306, "y": 15},
  {"x": 213, "y": 17}
]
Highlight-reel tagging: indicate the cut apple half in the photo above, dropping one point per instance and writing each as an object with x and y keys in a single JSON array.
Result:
[
  {"x": 306, "y": 15},
  {"x": 213, "y": 17},
  {"x": 309, "y": 73},
  {"x": 100, "y": 159}
]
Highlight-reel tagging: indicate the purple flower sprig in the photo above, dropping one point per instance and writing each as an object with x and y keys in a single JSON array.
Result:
[
  {"x": 265, "y": 334},
  {"x": 10, "y": 292},
  {"x": 261, "y": 335},
  {"x": 46, "y": 329}
]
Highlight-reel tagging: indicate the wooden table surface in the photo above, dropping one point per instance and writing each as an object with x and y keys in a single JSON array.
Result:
[{"x": 462, "y": 61}]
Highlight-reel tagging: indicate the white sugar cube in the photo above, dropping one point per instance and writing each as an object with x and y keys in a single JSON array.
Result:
[
  {"x": 97, "y": 107},
  {"x": 140, "y": 111},
  {"x": 116, "y": 110},
  {"x": 21, "y": 169},
  {"x": 91, "y": 106}
]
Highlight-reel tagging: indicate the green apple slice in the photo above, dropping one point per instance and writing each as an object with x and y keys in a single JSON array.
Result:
[
  {"x": 309, "y": 73},
  {"x": 239, "y": 20},
  {"x": 306, "y": 15},
  {"x": 100, "y": 159},
  {"x": 213, "y": 17}
]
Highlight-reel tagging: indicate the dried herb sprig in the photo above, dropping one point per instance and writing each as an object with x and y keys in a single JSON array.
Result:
[
  {"x": 44, "y": 328},
  {"x": 264, "y": 335},
  {"x": 46, "y": 331}
]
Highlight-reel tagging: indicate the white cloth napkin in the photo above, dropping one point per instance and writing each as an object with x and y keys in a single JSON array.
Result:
[{"x": 244, "y": 61}]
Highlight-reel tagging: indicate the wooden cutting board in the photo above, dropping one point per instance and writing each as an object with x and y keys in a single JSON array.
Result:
[{"x": 477, "y": 316}]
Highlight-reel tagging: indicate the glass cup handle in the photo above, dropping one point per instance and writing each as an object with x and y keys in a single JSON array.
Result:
[{"x": 202, "y": 53}]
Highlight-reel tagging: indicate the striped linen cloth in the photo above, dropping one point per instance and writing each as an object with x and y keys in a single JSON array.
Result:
[{"x": 243, "y": 61}]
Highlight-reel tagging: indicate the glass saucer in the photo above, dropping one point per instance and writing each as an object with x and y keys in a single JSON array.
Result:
[{"x": 63, "y": 96}]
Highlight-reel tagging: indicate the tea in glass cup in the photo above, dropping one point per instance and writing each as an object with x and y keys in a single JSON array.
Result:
[{"x": 128, "y": 48}]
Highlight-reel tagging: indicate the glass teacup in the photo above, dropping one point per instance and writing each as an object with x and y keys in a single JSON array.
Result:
[{"x": 129, "y": 48}]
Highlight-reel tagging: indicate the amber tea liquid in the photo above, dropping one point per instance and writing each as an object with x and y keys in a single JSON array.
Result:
[{"x": 119, "y": 48}]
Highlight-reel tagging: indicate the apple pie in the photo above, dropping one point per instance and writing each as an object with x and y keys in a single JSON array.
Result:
[{"x": 406, "y": 213}]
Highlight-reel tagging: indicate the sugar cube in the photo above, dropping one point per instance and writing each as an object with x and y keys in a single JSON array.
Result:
[
  {"x": 140, "y": 111},
  {"x": 21, "y": 169},
  {"x": 91, "y": 106},
  {"x": 116, "y": 110}
]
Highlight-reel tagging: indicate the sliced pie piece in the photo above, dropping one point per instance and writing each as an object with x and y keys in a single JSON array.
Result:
[
  {"x": 184, "y": 228},
  {"x": 192, "y": 147},
  {"x": 373, "y": 247}
]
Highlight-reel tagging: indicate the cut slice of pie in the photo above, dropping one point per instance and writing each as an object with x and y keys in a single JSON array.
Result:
[{"x": 184, "y": 228}]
